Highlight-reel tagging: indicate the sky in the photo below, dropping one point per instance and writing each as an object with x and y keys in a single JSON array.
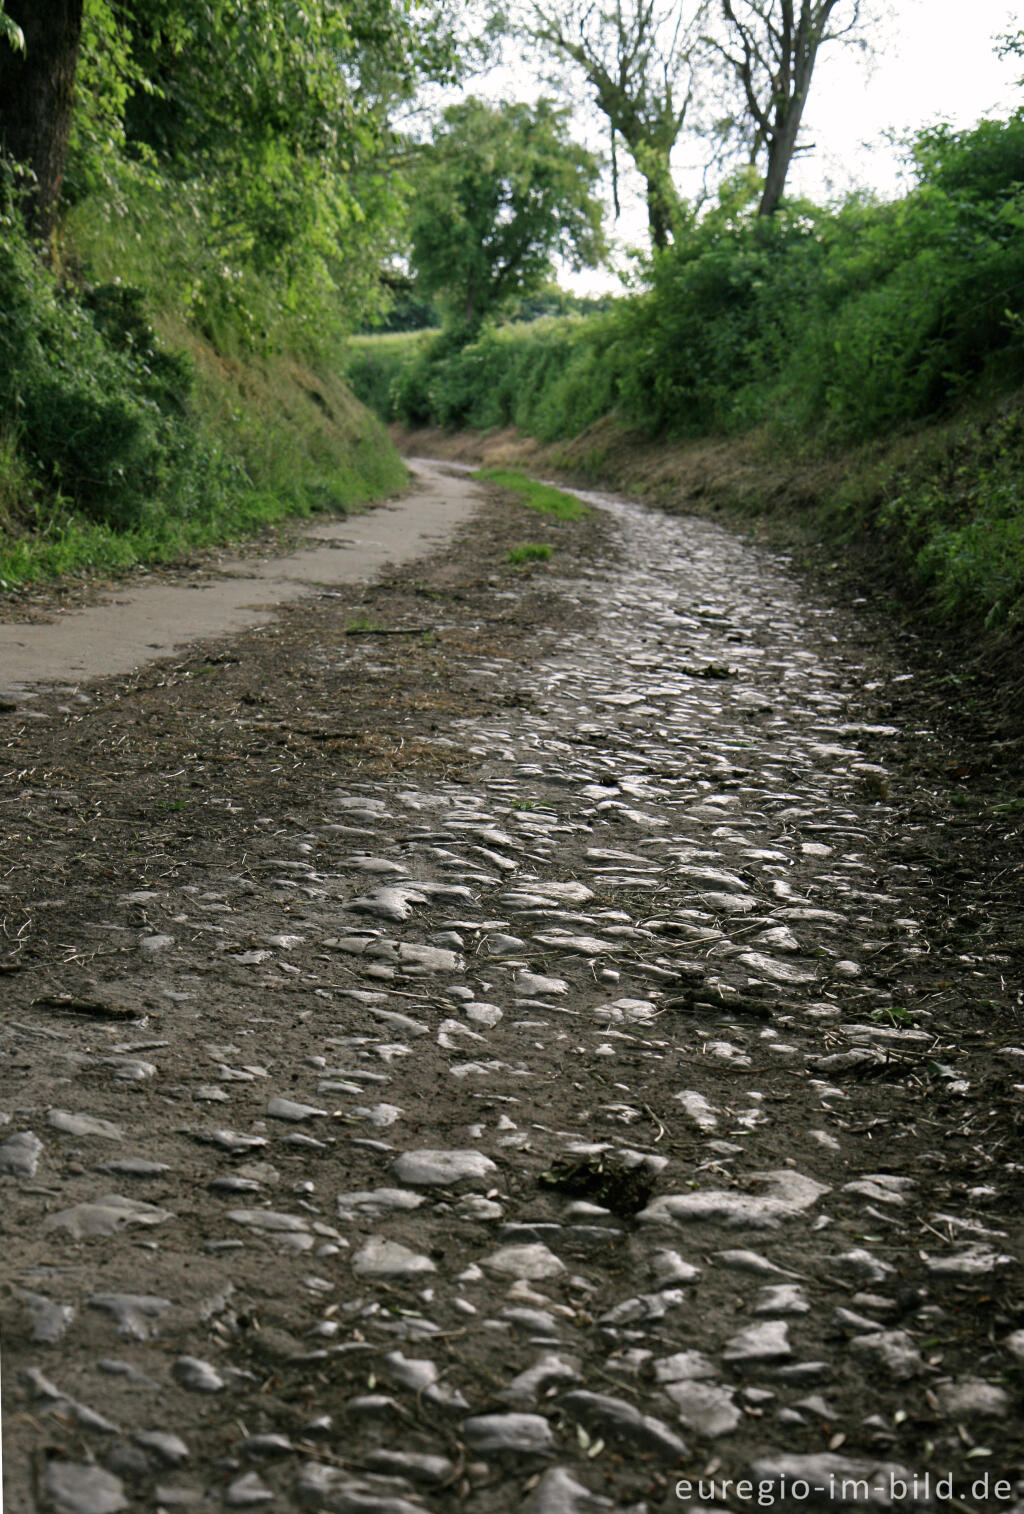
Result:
[{"x": 934, "y": 60}]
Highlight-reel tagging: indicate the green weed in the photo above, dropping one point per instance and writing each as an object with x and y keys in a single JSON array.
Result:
[
  {"x": 531, "y": 551},
  {"x": 536, "y": 496}
]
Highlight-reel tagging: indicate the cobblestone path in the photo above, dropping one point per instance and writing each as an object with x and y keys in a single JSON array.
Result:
[{"x": 558, "y": 1109}]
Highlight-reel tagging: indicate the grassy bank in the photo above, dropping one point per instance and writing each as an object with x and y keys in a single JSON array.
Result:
[{"x": 134, "y": 430}]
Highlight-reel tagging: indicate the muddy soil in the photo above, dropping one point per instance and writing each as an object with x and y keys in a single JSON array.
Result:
[{"x": 504, "y": 1038}]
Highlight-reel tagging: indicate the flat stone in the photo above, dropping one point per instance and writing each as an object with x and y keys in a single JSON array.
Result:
[
  {"x": 415, "y": 1466},
  {"x": 789, "y": 1194},
  {"x": 669, "y": 1269},
  {"x": 380, "y": 1257},
  {"x": 378, "y": 1201},
  {"x": 83, "y": 1125},
  {"x": 832, "y": 1481},
  {"x": 1015, "y": 1344},
  {"x": 536, "y": 985},
  {"x": 892, "y": 1349},
  {"x": 197, "y": 1375},
  {"x": 50, "y": 1320},
  {"x": 605, "y": 1415},
  {"x": 751, "y": 1261},
  {"x": 862, "y": 1264},
  {"x": 78, "y": 1488},
  {"x": 331, "y": 1490},
  {"x": 782, "y": 1299},
  {"x": 136, "y": 1313},
  {"x": 532, "y": 1262},
  {"x": 705, "y": 1408},
  {"x": 106, "y": 1216},
  {"x": 133, "y": 1167},
  {"x": 287, "y": 1109},
  {"x": 547, "y": 1372},
  {"x": 768, "y": 1342},
  {"x": 971, "y": 1397},
  {"x": 246, "y": 1490},
  {"x": 684, "y": 1366},
  {"x": 443, "y": 1168},
  {"x": 508, "y": 1432},
  {"x": 233, "y": 1141},
  {"x": 170, "y": 1448},
  {"x": 20, "y": 1153},
  {"x": 269, "y": 1219},
  {"x": 155, "y": 943},
  {"x": 558, "y": 1492},
  {"x": 977, "y": 1261}
]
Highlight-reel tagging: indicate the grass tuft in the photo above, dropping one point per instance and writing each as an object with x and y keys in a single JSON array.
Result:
[{"x": 536, "y": 496}]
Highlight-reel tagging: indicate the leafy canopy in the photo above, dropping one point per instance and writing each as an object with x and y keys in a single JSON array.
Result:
[{"x": 503, "y": 191}]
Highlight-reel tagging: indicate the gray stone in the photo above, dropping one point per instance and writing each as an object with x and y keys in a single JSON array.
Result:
[
  {"x": 83, "y": 1125},
  {"x": 604, "y": 1415},
  {"x": 507, "y": 1432},
  {"x": 684, "y": 1366},
  {"x": 79, "y": 1488},
  {"x": 20, "y": 1153},
  {"x": 768, "y": 1342},
  {"x": 705, "y": 1408},
  {"x": 197, "y": 1375},
  {"x": 782, "y": 1299},
  {"x": 331, "y": 1490},
  {"x": 135, "y": 1313},
  {"x": 170, "y": 1448},
  {"x": 977, "y": 1261},
  {"x": 442, "y": 1168},
  {"x": 558, "y": 1492},
  {"x": 971, "y": 1397},
  {"x": 789, "y": 1194},
  {"x": 105, "y": 1216},
  {"x": 832, "y": 1481},
  {"x": 270, "y": 1220},
  {"x": 134, "y": 1167},
  {"x": 547, "y": 1372},
  {"x": 892, "y": 1349},
  {"x": 260, "y": 1447},
  {"x": 531, "y": 1262},
  {"x": 415, "y": 1466},
  {"x": 248, "y": 1489},
  {"x": 382, "y": 1258},
  {"x": 50, "y": 1320},
  {"x": 287, "y": 1109},
  {"x": 378, "y": 1201}
]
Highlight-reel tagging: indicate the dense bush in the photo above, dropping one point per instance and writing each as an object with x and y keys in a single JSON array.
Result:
[
  {"x": 97, "y": 409},
  {"x": 821, "y": 324}
]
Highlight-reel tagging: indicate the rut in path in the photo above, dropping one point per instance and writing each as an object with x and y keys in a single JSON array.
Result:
[{"x": 574, "y": 1110}]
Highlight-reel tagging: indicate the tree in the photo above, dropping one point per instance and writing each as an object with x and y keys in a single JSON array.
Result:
[
  {"x": 638, "y": 59},
  {"x": 771, "y": 47},
  {"x": 502, "y": 192},
  {"x": 39, "y": 43}
]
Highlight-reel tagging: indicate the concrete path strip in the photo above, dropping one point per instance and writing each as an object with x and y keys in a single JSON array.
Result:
[{"x": 152, "y": 621}]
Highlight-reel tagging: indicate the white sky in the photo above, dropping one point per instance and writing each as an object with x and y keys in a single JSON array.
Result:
[{"x": 935, "y": 60}]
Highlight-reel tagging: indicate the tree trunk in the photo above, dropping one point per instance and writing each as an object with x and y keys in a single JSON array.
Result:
[
  {"x": 780, "y": 155},
  {"x": 659, "y": 215},
  {"x": 36, "y": 93}
]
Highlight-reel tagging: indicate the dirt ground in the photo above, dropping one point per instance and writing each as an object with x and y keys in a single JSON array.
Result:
[{"x": 217, "y": 1007}]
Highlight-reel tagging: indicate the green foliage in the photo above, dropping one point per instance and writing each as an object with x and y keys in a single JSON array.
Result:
[
  {"x": 550, "y": 378},
  {"x": 531, "y": 551},
  {"x": 97, "y": 408},
  {"x": 956, "y": 518},
  {"x": 500, "y": 192}
]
